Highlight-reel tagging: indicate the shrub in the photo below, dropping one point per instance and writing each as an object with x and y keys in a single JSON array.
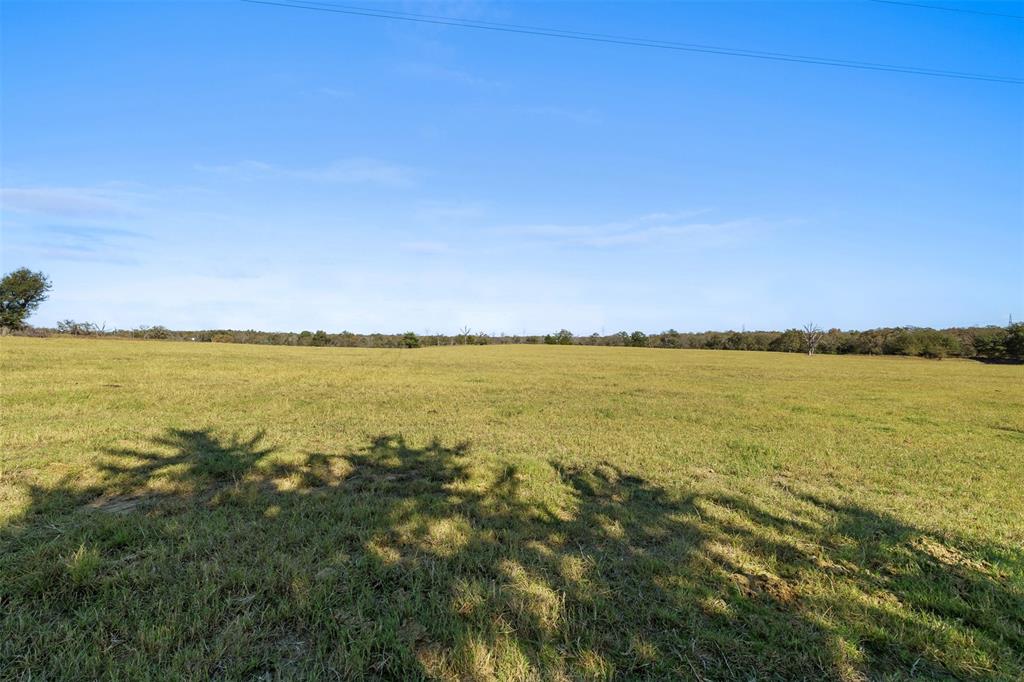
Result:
[{"x": 77, "y": 328}]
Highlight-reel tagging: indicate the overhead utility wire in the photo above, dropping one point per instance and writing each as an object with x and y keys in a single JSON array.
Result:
[
  {"x": 950, "y": 9},
  {"x": 635, "y": 42}
]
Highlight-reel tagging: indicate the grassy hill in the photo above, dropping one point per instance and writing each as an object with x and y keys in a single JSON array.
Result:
[{"x": 509, "y": 512}]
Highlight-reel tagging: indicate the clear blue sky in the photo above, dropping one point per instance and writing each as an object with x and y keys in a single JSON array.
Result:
[{"x": 205, "y": 165}]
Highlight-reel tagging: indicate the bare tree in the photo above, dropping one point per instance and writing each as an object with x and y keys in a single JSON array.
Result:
[
  {"x": 812, "y": 336},
  {"x": 464, "y": 335}
]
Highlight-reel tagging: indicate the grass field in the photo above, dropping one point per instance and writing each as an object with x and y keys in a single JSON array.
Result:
[{"x": 222, "y": 511}]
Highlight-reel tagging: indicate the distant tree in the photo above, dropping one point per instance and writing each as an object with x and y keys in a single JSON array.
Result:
[
  {"x": 319, "y": 338},
  {"x": 410, "y": 340},
  {"x": 638, "y": 339},
  {"x": 831, "y": 341},
  {"x": 78, "y": 328},
  {"x": 871, "y": 342},
  {"x": 714, "y": 340},
  {"x": 812, "y": 337},
  {"x": 21, "y": 292},
  {"x": 757, "y": 340},
  {"x": 622, "y": 338},
  {"x": 563, "y": 337},
  {"x": 927, "y": 343},
  {"x": 670, "y": 339},
  {"x": 1013, "y": 342},
  {"x": 735, "y": 341},
  {"x": 789, "y": 341}
]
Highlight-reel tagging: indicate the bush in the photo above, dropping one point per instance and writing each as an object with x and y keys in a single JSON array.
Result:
[
  {"x": 157, "y": 332},
  {"x": 77, "y": 328}
]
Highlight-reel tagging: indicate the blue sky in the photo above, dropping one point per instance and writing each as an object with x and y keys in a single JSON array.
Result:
[{"x": 204, "y": 165}]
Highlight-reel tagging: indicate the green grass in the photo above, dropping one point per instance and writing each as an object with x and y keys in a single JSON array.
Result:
[{"x": 240, "y": 512}]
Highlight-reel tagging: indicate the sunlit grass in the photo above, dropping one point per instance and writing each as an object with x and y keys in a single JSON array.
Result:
[{"x": 210, "y": 510}]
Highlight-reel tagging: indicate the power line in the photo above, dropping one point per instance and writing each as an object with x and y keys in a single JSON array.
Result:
[
  {"x": 950, "y": 9},
  {"x": 627, "y": 41}
]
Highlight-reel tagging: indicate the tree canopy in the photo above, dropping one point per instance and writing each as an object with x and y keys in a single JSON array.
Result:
[{"x": 21, "y": 292}]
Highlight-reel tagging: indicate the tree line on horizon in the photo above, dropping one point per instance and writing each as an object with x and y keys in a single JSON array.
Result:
[
  {"x": 21, "y": 292},
  {"x": 990, "y": 343}
]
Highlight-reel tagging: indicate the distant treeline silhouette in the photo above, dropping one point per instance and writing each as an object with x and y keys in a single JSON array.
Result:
[{"x": 989, "y": 343}]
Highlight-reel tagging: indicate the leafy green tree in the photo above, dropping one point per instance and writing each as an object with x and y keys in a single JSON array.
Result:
[
  {"x": 990, "y": 343},
  {"x": 21, "y": 292},
  {"x": 927, "y": 343},
  {"x": 562, "y": 338},
  {"x": 638, "y": 339},
  {"x": 735, "y": 341},
  {"x": 871, "y": 342},
  {"x": 1013, "y": 342},
  {"x": 789, "y": 341},
  {"x": 410, "y": 340},
  {"x": 670, "y": 339}
]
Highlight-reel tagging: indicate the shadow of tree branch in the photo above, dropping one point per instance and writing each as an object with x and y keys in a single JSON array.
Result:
[{"x": 417, "y": 562}]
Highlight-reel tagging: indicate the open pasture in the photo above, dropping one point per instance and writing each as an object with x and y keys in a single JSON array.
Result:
[{"x": 513, "y": 513}]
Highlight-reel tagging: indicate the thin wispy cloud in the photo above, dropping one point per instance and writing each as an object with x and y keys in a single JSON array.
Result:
[
  {"x": 354, "y": 170},
  {"x": 335, "y": 93},
  {"x": 437, "y": 72},
  {"x": 107, "y": 245},
  {"x": 68, "y": 202},
  {"x": 432, "y": 248},
  {"x": 359, "y": 170},
  {"x": 652, "y": 228},
  {"x": 246, "y": 170},
  {"x": 445, "y": 212},
  {"x": 581, "y": 116}
]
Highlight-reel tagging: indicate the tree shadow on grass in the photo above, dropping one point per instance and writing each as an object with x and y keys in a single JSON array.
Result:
[
  {"x": 209, "y": 557},
  {"x": 199, "y": 457}
]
